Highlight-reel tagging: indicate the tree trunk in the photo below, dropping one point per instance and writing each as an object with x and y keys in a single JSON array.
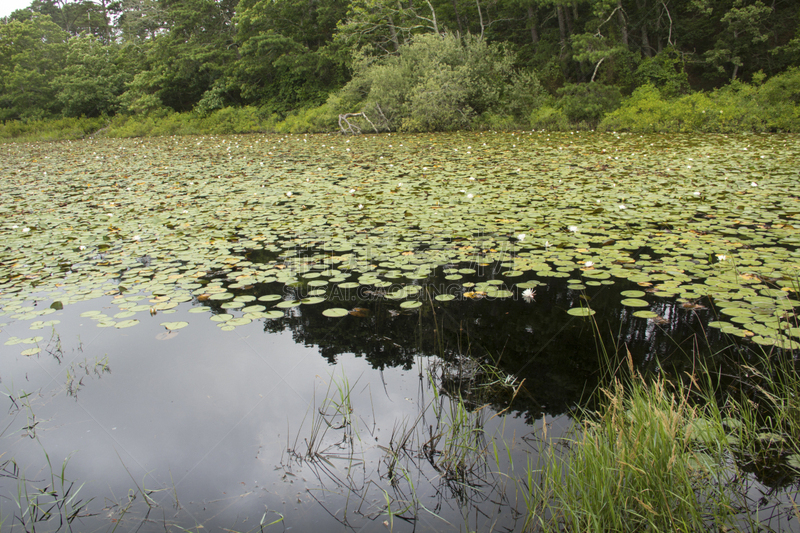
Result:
[
  {"x": 458, "y": 18},
  {"x": 532, "y": 22},
  {"x": 641, "y": 7},
  {"x": 623, "y": 25},
  {"x": 480, "y": 16},
  {"x": 393, "y": 34},
  {"x": 562, "y": 29},
  {"x": 568, "y": 19}
]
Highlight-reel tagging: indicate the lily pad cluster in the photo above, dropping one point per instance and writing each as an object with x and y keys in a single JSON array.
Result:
[{"x": 157, "y": 223}]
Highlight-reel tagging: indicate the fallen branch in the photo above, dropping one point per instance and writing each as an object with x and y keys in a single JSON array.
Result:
[{"x": 351, "y": 128}]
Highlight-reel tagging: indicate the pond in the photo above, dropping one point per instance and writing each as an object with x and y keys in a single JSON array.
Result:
[{"x": 274, "y": 332}]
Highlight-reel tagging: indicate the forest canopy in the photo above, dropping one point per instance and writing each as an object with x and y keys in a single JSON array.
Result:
[{"x": 408, "y": 65}]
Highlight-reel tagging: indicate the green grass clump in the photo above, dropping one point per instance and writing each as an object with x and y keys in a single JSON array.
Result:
[
  {"x": 647, "y": 461},
  {"x": 50, "y": 129}
]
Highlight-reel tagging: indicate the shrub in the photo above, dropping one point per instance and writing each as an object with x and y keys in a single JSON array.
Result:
[
  {"x": 588, "y": 102},
  {"x": 549, "y": 118},
  {"x": 51, "y": 129},
  {"x": 736, "y": 107},
  {"x": 311, "y": 120},
  {"x": 664, "y": 71},
  {"x": 435, "y": 82}
]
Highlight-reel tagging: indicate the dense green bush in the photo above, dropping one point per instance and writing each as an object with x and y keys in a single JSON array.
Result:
[
  {"x": 585, "y": 104},
  {"x": 548, "y": 118},
  {"x": 312, "y": 120},
  {"x": 438, "y": 83},
  {"x": 736, "y": 107},
  {"x": 665, "y": 71},
  {"x": 780, "y": 95}
]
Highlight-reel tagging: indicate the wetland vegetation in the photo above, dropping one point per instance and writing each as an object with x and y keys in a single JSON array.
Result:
[
  {"x": 480, "y": 330},
  {"x": 77, "y": 68}
]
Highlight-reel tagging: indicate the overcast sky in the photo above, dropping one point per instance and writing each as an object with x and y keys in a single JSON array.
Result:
[{"x": 9, "y": 6}]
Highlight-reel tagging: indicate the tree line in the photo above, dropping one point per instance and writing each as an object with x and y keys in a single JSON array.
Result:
[{"x": 406, "y": 64}]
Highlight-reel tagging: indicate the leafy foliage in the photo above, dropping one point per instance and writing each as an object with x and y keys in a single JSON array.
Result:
[
  {"x": 772, "y": 106},
  {"x": 31, "y": 53},
  {"x": 413, "y": 65},
  {"x": 439, "y": 83}
]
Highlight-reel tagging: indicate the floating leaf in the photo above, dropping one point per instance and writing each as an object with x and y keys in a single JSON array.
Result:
[
  {"x": 632, "y": 294},
  {"x": 174, "y": 325},
  {"x": 335, "y": 312},
  {"x": 634, "y": 302},
  {"x": 581, "y": 311},
  {"x": 222, "y": 296}
]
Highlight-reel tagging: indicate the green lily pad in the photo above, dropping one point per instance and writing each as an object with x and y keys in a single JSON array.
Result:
[
  {"x": 632, "y": 294},
  {"x": 335, "y": 312},
  {"x": 634, "y": 302},
  {"x": 411, "y": 304},
  {"x": 581, "y": 311},
  {"x": 174, "y": 325},
  {"x": 126, "y": 324}
]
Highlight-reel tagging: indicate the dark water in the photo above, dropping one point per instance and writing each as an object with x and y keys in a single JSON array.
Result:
[{"x": 210, "y": 425}]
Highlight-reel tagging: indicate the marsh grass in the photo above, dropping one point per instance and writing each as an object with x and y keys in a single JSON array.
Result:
[
  {"x": 648, "y": 460},
  {"x": 674, "y": 454}
]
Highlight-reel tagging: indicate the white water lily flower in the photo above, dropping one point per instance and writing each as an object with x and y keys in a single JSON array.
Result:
[
  {"x": 360, "y": 206},
  {"x": 696, "y": 193},
  {"x": 521, "y": 236},
  {"x": 722, "y": 257},
  {"x": 754, "y": 184},
  {"x": 622, "y": 206},
  {"x": 547, "y": 245},
  {"x": 352, "y": 191},
  {"x": 529, "y": 295},
  {"x": 288, "y": 194},
  {"x": 81, "y": 247},
  {"x": 137, "y": 238},
  {"x": 589, "y": 263},
  {"x": 25, "y": 230},
  {"x": 573, "y": 229},
  {"x": 469, "y": 196}
]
